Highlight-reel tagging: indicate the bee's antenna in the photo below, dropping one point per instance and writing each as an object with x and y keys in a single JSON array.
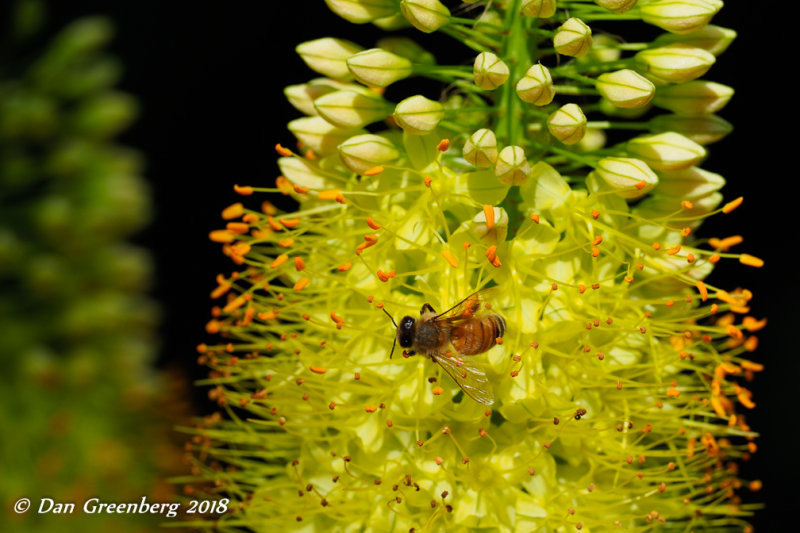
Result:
[{"x": 395, "y": 327}]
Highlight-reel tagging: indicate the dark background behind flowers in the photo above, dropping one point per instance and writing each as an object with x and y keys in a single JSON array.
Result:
[{"x": 210, "y": 79}]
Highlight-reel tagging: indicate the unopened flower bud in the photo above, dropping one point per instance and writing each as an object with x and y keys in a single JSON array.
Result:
[
  {"x": 405, "y": 47},
  {"x": 302, "y": 96},
  {"x": 512, "y": 168},
  {"x": 594, "y": 139},
  {"x": 481, "y": 148},
  {"x": 690, "y": 184},
  {"x": 328, "y": 56},
  {"x": 702, "y": 129},
  {"x": 680, "y": 16},
  {"x": 395, "y": 22},
  {"x": 567, "y": 124},
  {"x": 714, "y": 39},
  {"x": 536, "y": 87},
  {"x": 489, "y": 71},
  {"x": 418, "y": 114},
  {"x": 604, "y": 49},
  {"x": 318, "y": 134},
  {"x": 378, "y": 68},
  {"x": 675, "y": 63},
  {"x": 617, "y": 6},
  {"x": 626, "y": 88},
  {"x": 538, "y": 8},
  {"x": 363, "y": 152},
  {"x": 351, "y": 109},
  {"x": 425, "y": 15},
  {"x": 630, "y": 178},
  {"x": 361, "y": 11},
  {"x": 694, "y": 98},
  {"x": 667, "y": 151},
  {"x": 573, "y": 38}
]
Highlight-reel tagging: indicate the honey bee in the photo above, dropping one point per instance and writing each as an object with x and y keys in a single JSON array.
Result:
[{"x": 463, "y": 330}]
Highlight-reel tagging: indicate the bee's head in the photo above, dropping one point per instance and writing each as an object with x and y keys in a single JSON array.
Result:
[{"x": 405, "y": 332}]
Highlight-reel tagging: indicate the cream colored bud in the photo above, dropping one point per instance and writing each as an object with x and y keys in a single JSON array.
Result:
[
  {"x": 702, "y": 129},
  {"x": 617, "y": 6},
  {"x": 595, "y": 139},
  {"x": 680, "y": 16},
  {"x": 690, "y": 184},
  {"x": 418, "y": 115},
  {"x": 328, "y": 56},
  {"x": 395, "y": 22},
  {"x": 693, "y": 98},
  {"x": 630, "y": 178},
  {"x": 489, "y": 22},
  {"x": 573, "y": 38},
  {"x": 302, "y": 96},
  {"x": 378, "y": 68},
  {"x": 361, "y": 11},
  {"x": 363, "y": 152},
  {"x": 489, "y": 71},
  {"x": 425, "y": 15},
  {"x": 567, "y": 124},
  {"x": 714, "y": 39},
  {"x": 626, "y": 88},
  {"x": 675, "y": 63},
  {"x": 405, "y": 47},
  {"x": 481, "y": 148},
  {"x": 351, "y": 109},
  {"x": 667, "y": 151},
  {"x": 536, "y": 87},
  {"x": 538, "y": 8},
  {"x": 512, "y": 168},
  {"x": 318, "y": 134}
]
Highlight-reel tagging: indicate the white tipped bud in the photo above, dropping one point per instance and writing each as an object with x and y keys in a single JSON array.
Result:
[
  {"x": 418, "y": 115},
  {"x": 536, "y": 87},
  {"x": 328, "y": 56},
  {"x": 690, "y": 184},
  {"x": 567, "y": 124},
  {"x": 680, "y": 16},
  {"x": 512, "y": 168},
  {"x": 489, "y": 71},
  {"x": 703, "y": 129},
  {"x": 378, "y": 68},
  {"x": 630, "y": 178},
  {"x": 538, "y": 8},
  {"x": 667, "y": 151},
  {"x": 675, "y": 63},
  {"x": 318, "y": 134},
  {"x": 361, "y": 11},
  {"x": 617, "y": 6},
  {"x": 573, "y": 38},
  {"x": 481, "y": 148},
  {"x": 302, "y": 96},
  {"x": 713, "y": 39},
  {"x": 626, "y": 88},
  {"x": 425, "y": 15},
  {"x": 350, "y": 109},
  {"x": 693, "y": 98},
  {"x": 363, "y": 152}
]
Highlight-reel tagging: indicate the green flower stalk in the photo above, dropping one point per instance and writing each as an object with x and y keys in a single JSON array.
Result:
[
  {"x": 619, "y": 385},
  {"x": 78, "y": 391}
]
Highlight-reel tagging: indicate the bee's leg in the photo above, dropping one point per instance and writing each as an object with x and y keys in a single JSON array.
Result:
[{"x": 426, "y": 307}]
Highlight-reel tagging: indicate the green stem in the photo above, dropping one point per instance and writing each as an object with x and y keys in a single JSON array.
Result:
[{"x": 517, "y": 52}]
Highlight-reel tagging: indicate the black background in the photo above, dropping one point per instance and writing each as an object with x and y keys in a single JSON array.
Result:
[{"x": 210, "y": 79}]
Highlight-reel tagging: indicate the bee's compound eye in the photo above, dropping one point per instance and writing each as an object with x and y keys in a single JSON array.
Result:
[{"x": 405, "y": 332}]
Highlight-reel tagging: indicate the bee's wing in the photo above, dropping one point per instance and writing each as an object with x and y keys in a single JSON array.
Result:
[
  {"x": 471, "y": 378},
  {"x": 466, "y": 308}
]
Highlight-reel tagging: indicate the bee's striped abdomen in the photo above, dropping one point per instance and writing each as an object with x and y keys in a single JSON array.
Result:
[{"x": 478, "y": 335}]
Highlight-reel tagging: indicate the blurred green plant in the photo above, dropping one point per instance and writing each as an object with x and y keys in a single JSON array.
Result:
[
  {"x": 77, "y": 385},
  {"x": 547, "y": 169}
]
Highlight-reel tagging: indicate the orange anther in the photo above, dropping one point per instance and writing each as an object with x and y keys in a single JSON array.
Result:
[
  {"x": 535, "y": 218},
  {"x": 344, "y": 267},
  {"x": 595, "y": 214},
  {"x": 723, "y": 245},
  {"x": 686, "y": 204},
  {"x": 672, "y": 392},
  {"x": 299, "y": 264},
  {"x": 299, "y": 189},
  {"x": 750, "y": 260},
  {"x": 488, "y": 213},
  {"x": 674, "y": 250},
  {"x": 372, "y": 224},
  {"x": 450, "y": 258},
  {"x": 221, "y": 235},
  {"x": 641, "y": 185},
  {"x": 289, "y": 223},
  {"x": 371, "y": 408},
  {"x": 428, "y": 181},
  {"x": 233, "y": 211},
  {"x": 274, "y": 224},
  {"x": 581, "y": 288},
  {"x": 595, "y": 252},
  {"x": 317, "y": 369},
  {"x": 281, "y": 259},
  {"x": 656, "y": 246},
  {"x": 685, "y": 232},
  {"x": 751, "y": 324},
  {"x": 244, "y": 190},
  {"x": 285, "y": 243},
  {"x": 330, "y": 194},
  {"x": 597, "y": 240},
  {"x": 701, "y": 287},
  {"x": 437, "y": 390},
  {"x": 237, "y": 228},
  {"x": 374, "y": 171},
  {"x": 282, "y": 151},
  {"x": 730, "y": 206},
  {"x": 443, "y": 145}
]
